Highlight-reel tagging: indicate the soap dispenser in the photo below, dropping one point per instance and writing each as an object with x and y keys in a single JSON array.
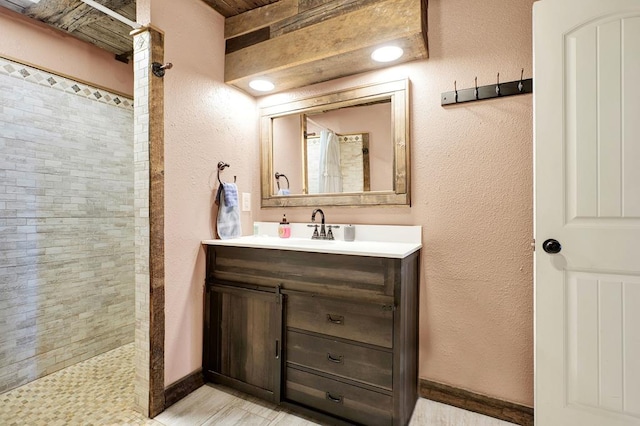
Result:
[{"x": 284, "y": 229}]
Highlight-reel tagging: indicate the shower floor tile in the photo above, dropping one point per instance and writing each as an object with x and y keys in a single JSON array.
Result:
[{"x": 98, "y": 391}]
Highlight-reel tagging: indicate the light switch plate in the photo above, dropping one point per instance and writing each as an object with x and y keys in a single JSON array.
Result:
[{"x": 246, "y": 201}]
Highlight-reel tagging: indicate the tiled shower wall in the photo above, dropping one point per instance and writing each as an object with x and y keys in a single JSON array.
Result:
[{"x": 66, "y": 223}]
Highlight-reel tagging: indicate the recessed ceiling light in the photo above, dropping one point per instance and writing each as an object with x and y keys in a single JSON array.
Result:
[
  {"x": 387, "y": 53},
  {"x": 261, "y": 85}
]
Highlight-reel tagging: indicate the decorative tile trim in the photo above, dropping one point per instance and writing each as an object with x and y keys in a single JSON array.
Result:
[{"x": 48, "y": 79}]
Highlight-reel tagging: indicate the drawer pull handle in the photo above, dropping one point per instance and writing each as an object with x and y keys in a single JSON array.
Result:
[
  {"x": 337, "y": 320},
  {"x": 331, "y": 358},
  {"x": 332, "y": 398}
]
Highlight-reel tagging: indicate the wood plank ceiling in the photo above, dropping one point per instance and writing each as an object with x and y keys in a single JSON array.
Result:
[
  {"x": 228, "y": 8},
  {"x": 88, "y": 24}
]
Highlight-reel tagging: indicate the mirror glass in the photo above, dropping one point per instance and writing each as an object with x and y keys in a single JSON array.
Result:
[
  {"x": 343, "y": 148},
  {"x": 337, "y": 163}
]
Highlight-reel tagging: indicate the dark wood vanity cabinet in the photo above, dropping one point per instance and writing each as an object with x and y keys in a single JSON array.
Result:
[
  {"x": 243, "y": 335},
  {"x": 332, "y": 335}
]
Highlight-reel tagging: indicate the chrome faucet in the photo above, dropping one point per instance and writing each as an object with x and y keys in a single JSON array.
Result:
[{"x": 323, "y": 232}]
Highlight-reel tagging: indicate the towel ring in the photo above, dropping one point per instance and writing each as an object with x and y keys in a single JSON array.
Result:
[
  {"x": 278, "y": 175},
  {"x": 221, "y": 166}
]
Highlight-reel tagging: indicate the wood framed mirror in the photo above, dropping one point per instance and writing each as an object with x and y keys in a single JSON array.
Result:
[{"x": 345, "y": 148}]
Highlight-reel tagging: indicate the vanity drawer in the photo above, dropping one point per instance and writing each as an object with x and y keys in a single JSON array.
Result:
[
  {"x": 372, "y": 278},
  {"x": 372, "y": 366},
  {"x": 362, "y": 322},
  {"x": 339, "y": 399}
]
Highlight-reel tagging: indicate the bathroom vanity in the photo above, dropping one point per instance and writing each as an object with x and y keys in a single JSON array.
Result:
[{"x": 328, "y": 328}]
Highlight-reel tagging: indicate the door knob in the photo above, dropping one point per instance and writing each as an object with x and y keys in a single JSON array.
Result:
[{"x": 552, "y": 246}]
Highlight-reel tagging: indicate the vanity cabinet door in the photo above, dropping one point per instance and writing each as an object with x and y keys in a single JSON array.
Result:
[{"x": 243, "y": 340}]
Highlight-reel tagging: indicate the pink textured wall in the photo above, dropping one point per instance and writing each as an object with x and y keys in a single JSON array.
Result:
[
  {"x": 471, "y": 186},
  {"x": 33, "y": 43},
  {"x": 472, "y": 194},
  {"x": 206, "y": 121}
]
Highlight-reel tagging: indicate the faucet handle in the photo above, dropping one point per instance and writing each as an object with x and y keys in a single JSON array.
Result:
[
  {"x": 330, "y": 233},
  {"x": 315, "y": 235}
]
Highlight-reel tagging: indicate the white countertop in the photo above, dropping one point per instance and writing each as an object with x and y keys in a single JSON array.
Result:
[{"x": 371, "y": 240}]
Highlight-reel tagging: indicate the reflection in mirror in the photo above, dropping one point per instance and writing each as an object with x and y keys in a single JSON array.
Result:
[
  {"x": 350, "y": 167},
  {"x": 344, "y": 148},
  {"x": 362, "y": 138}
]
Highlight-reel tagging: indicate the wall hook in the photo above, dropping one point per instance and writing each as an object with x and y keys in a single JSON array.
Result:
[
  {"x": 496, "y": 90},
  {"x": 158, "y": 69},
  {"x": 521, "y": 84}
]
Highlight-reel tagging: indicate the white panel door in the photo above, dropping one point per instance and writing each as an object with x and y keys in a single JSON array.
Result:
[{"x": 587, "y": 197}]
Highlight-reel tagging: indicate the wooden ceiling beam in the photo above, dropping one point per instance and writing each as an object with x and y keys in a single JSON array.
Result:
[
  {"x": 69, "y": 15},
  {"x": 266, "y": 15},
  {"x": 333, "y": 39},
  {"x": 104, "y": 38},
  {"x": 89, "y": 15},
  {"x": 229, "y": 8}
]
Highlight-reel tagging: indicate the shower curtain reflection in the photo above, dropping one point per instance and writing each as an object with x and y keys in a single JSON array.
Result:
[{"x": 330, "y": 176}]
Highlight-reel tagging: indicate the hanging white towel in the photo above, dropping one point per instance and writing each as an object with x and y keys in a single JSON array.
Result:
[
  {"x": 330, "y": 179},
  {"x": 228, "y": 211}
]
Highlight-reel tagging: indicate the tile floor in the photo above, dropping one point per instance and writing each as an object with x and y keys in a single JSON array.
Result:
[{"x": 99, "y": 391}]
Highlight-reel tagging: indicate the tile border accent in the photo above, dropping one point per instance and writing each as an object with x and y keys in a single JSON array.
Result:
[
  {"x": 183, "y": 387},
  {"x": 478, "y": 403},
  {"x": 55, "y": 81}
]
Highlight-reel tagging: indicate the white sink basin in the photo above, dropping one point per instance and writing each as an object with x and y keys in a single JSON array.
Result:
[
  {"x": 359, "y": 248},
  {"x": 306, "y": 242}
]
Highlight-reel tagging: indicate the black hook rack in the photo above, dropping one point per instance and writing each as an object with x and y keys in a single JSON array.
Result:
[
  {"x": 498, "y": 90},
  {"x": 278, "y": 176},
  {"x": 221, "y": 166}
]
